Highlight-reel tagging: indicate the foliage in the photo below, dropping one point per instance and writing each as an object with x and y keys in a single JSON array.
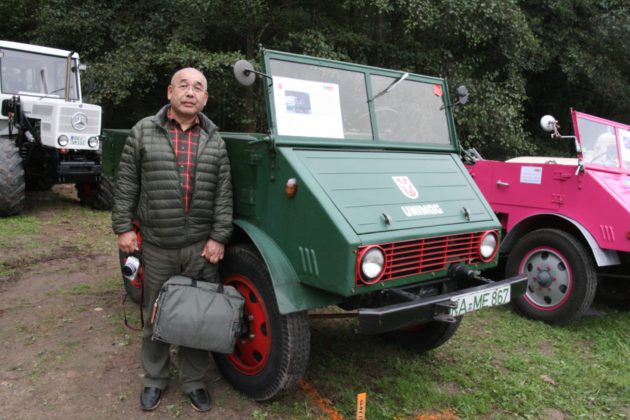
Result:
[
  {"x": 498, "y": 365},
  {"x": 519, "y": 59}
]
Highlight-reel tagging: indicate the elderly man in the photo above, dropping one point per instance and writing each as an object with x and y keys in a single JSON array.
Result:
[{"x": 174, "y": 176}]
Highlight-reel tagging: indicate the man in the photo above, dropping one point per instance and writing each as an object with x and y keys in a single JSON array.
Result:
[{"x": 174, "y": 176}]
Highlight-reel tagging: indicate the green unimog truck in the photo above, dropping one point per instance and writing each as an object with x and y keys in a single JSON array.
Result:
[{"x": 356, "y": 199}]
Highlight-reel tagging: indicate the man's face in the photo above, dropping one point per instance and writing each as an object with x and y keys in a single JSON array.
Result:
[{"x": 187, "y": 93}]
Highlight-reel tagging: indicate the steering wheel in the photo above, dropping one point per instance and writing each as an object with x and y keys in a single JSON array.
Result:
[{"x": 605, "y": 158}]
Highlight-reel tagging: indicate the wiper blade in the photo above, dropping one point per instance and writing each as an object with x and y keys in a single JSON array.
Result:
[{"x": 391, "y": 86}]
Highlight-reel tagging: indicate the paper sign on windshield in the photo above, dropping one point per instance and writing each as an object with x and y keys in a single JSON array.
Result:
[{"x": 305, "y": 108}]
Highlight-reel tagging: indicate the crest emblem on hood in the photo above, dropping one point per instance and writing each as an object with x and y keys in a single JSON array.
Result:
[{"x": 406, "y": 187}]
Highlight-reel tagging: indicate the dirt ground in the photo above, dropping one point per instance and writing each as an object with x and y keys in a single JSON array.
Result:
[{"x": 65, "y": 352}]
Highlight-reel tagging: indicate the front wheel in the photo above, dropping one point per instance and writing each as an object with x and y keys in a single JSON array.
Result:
[
  {"x": 561, "y": 276},
  {"x": 272, "y": 356},
  {"x": 11, "y": 179},
  {"x": 98, "y": 195}
]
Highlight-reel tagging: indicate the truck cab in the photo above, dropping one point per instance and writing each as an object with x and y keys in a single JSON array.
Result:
[
  {"x": 355, "y": 197},
  {"x": 565, "y": 219},
  {"x": 47, "y": 134}
]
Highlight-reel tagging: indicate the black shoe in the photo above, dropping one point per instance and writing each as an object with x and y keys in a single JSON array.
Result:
[
  {"x": 150, "y": 398},
  {"x": 200, "y": 399}
]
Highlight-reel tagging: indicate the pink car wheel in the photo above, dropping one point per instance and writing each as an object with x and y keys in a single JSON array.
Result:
[{"x": 562, "y": 277}]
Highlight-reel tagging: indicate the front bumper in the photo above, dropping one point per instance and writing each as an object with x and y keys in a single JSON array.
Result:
[
  {"x": 79, "y": 171},
  {"x": 420, "y": 310}
]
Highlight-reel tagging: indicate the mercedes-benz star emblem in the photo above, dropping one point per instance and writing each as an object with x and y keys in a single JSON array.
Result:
[{"x": 79, "y": 121}]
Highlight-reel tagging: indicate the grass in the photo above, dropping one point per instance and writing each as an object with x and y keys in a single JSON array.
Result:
[
  {"x": 16, "y": 229},
  {"x": 498, "y": 365}
]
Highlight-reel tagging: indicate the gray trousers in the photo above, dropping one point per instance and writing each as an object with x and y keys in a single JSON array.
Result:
[{"x": 159, "y": 265}]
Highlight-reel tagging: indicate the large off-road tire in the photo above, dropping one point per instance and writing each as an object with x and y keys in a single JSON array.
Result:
[
  {"x": 272, "y": 356},
  {"x": 11, "y": 179},
  {"x": 562, "y": 278},
  {"x": 614, "y": 292},
  {"x": 423, "y": 337},
  {"x": 99, "y": 196}
]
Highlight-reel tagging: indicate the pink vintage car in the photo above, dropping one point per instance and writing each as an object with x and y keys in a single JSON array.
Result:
[{"x": 566, "y": 220}]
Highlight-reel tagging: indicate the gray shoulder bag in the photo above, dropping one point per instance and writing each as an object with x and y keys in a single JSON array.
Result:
[{"x": 194, "y": 313}]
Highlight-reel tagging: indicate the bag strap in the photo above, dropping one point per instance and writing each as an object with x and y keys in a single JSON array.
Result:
[{"x": 199, "y": 277}]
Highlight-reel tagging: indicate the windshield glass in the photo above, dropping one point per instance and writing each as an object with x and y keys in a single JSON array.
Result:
[
  {"x": 411, "y": 112},
  {"x": 599, "y": 143},
  {"x": 318, "y": 101},
  {"x": 28, "y": 73}
]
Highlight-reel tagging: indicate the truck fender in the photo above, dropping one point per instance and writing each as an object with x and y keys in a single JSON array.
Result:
[
  {"x": 291, "y": 295},
  {"x": 603, "y": 257}
]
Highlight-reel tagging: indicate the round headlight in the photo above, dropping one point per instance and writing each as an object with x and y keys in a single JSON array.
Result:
[
  {"x": 62, "y": 140},
  {"x": 488, "y": 246},
  {"x": 372, "y": 265},
  {"x": 93, "y": 142}
]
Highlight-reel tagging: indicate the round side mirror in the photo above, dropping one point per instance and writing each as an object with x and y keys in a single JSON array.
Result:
[
  {"x": 548, "y": 123},
  {"x": 462, "y": 94},
  {"x": 243, "y": 71}
]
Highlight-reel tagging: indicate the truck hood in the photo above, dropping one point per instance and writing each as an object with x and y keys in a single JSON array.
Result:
[{"x": 378, "y": 191}]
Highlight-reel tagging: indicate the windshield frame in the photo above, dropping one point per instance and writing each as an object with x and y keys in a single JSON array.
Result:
[
  {"x": 367, "y": 73},
  {"x": 75, "y": 85}
]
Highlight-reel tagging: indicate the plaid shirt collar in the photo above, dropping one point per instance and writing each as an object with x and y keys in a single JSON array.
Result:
[{"x": 171, "y": 117}]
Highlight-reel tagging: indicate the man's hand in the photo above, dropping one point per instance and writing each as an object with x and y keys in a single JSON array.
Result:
[
  {"x": 213, "y": 251},
  {"x": 128, "y": 242}
]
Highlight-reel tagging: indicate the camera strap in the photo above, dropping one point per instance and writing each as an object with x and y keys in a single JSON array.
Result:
[
  {"x": 141, "y": 304},
  {"x": 127, "y": 324}
]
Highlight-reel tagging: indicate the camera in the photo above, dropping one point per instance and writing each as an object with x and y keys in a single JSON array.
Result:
[{"x": 130, "y": 269}]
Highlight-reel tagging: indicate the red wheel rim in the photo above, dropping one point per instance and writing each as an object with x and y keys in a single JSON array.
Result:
[{"x": 251, "y": 353}]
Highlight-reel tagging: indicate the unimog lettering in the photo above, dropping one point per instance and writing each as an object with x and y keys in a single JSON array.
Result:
[{"x": 422, "y": 210}]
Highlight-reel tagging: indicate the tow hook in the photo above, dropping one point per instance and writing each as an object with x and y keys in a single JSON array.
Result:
[
  {"x": 461, "y": 273},
  {"x": 443, "y": 310}
]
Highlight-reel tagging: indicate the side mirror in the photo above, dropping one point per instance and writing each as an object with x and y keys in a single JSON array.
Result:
[
  {"x": 549, "y": 124},
  {"x": 91, "y": 86},
  {"x": 462, "y": 98},
  {"x": 8, "y": 105},
  {"x": 462, "y": 95},
  {"x": 244, "y": 72}
]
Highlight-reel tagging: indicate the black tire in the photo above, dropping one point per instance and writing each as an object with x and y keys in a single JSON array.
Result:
[
  {"x": 11, "y": 179},
  {"x": 274, "y": 353},
  {"x": 99, "y": 196},
  {"x": 423, "y": 337},
  {"x": 614, "y": 292},
  {"x": 562, "y": 277},
  {"x": 134, "y": 293}
]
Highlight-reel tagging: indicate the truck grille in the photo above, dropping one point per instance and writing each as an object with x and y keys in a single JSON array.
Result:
[{"x": 419, "y": 256}]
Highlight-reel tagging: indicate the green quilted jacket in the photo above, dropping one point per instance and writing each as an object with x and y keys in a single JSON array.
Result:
[{"x": 147, "y": 187}]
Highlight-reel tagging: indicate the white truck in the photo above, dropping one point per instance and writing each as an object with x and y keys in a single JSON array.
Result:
[{"x": 47, "y": 134}]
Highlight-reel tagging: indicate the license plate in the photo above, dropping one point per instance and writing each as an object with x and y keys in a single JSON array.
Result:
[
  {"x": 77, "y": 140},
  {"x": 474, "y": 301}
]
